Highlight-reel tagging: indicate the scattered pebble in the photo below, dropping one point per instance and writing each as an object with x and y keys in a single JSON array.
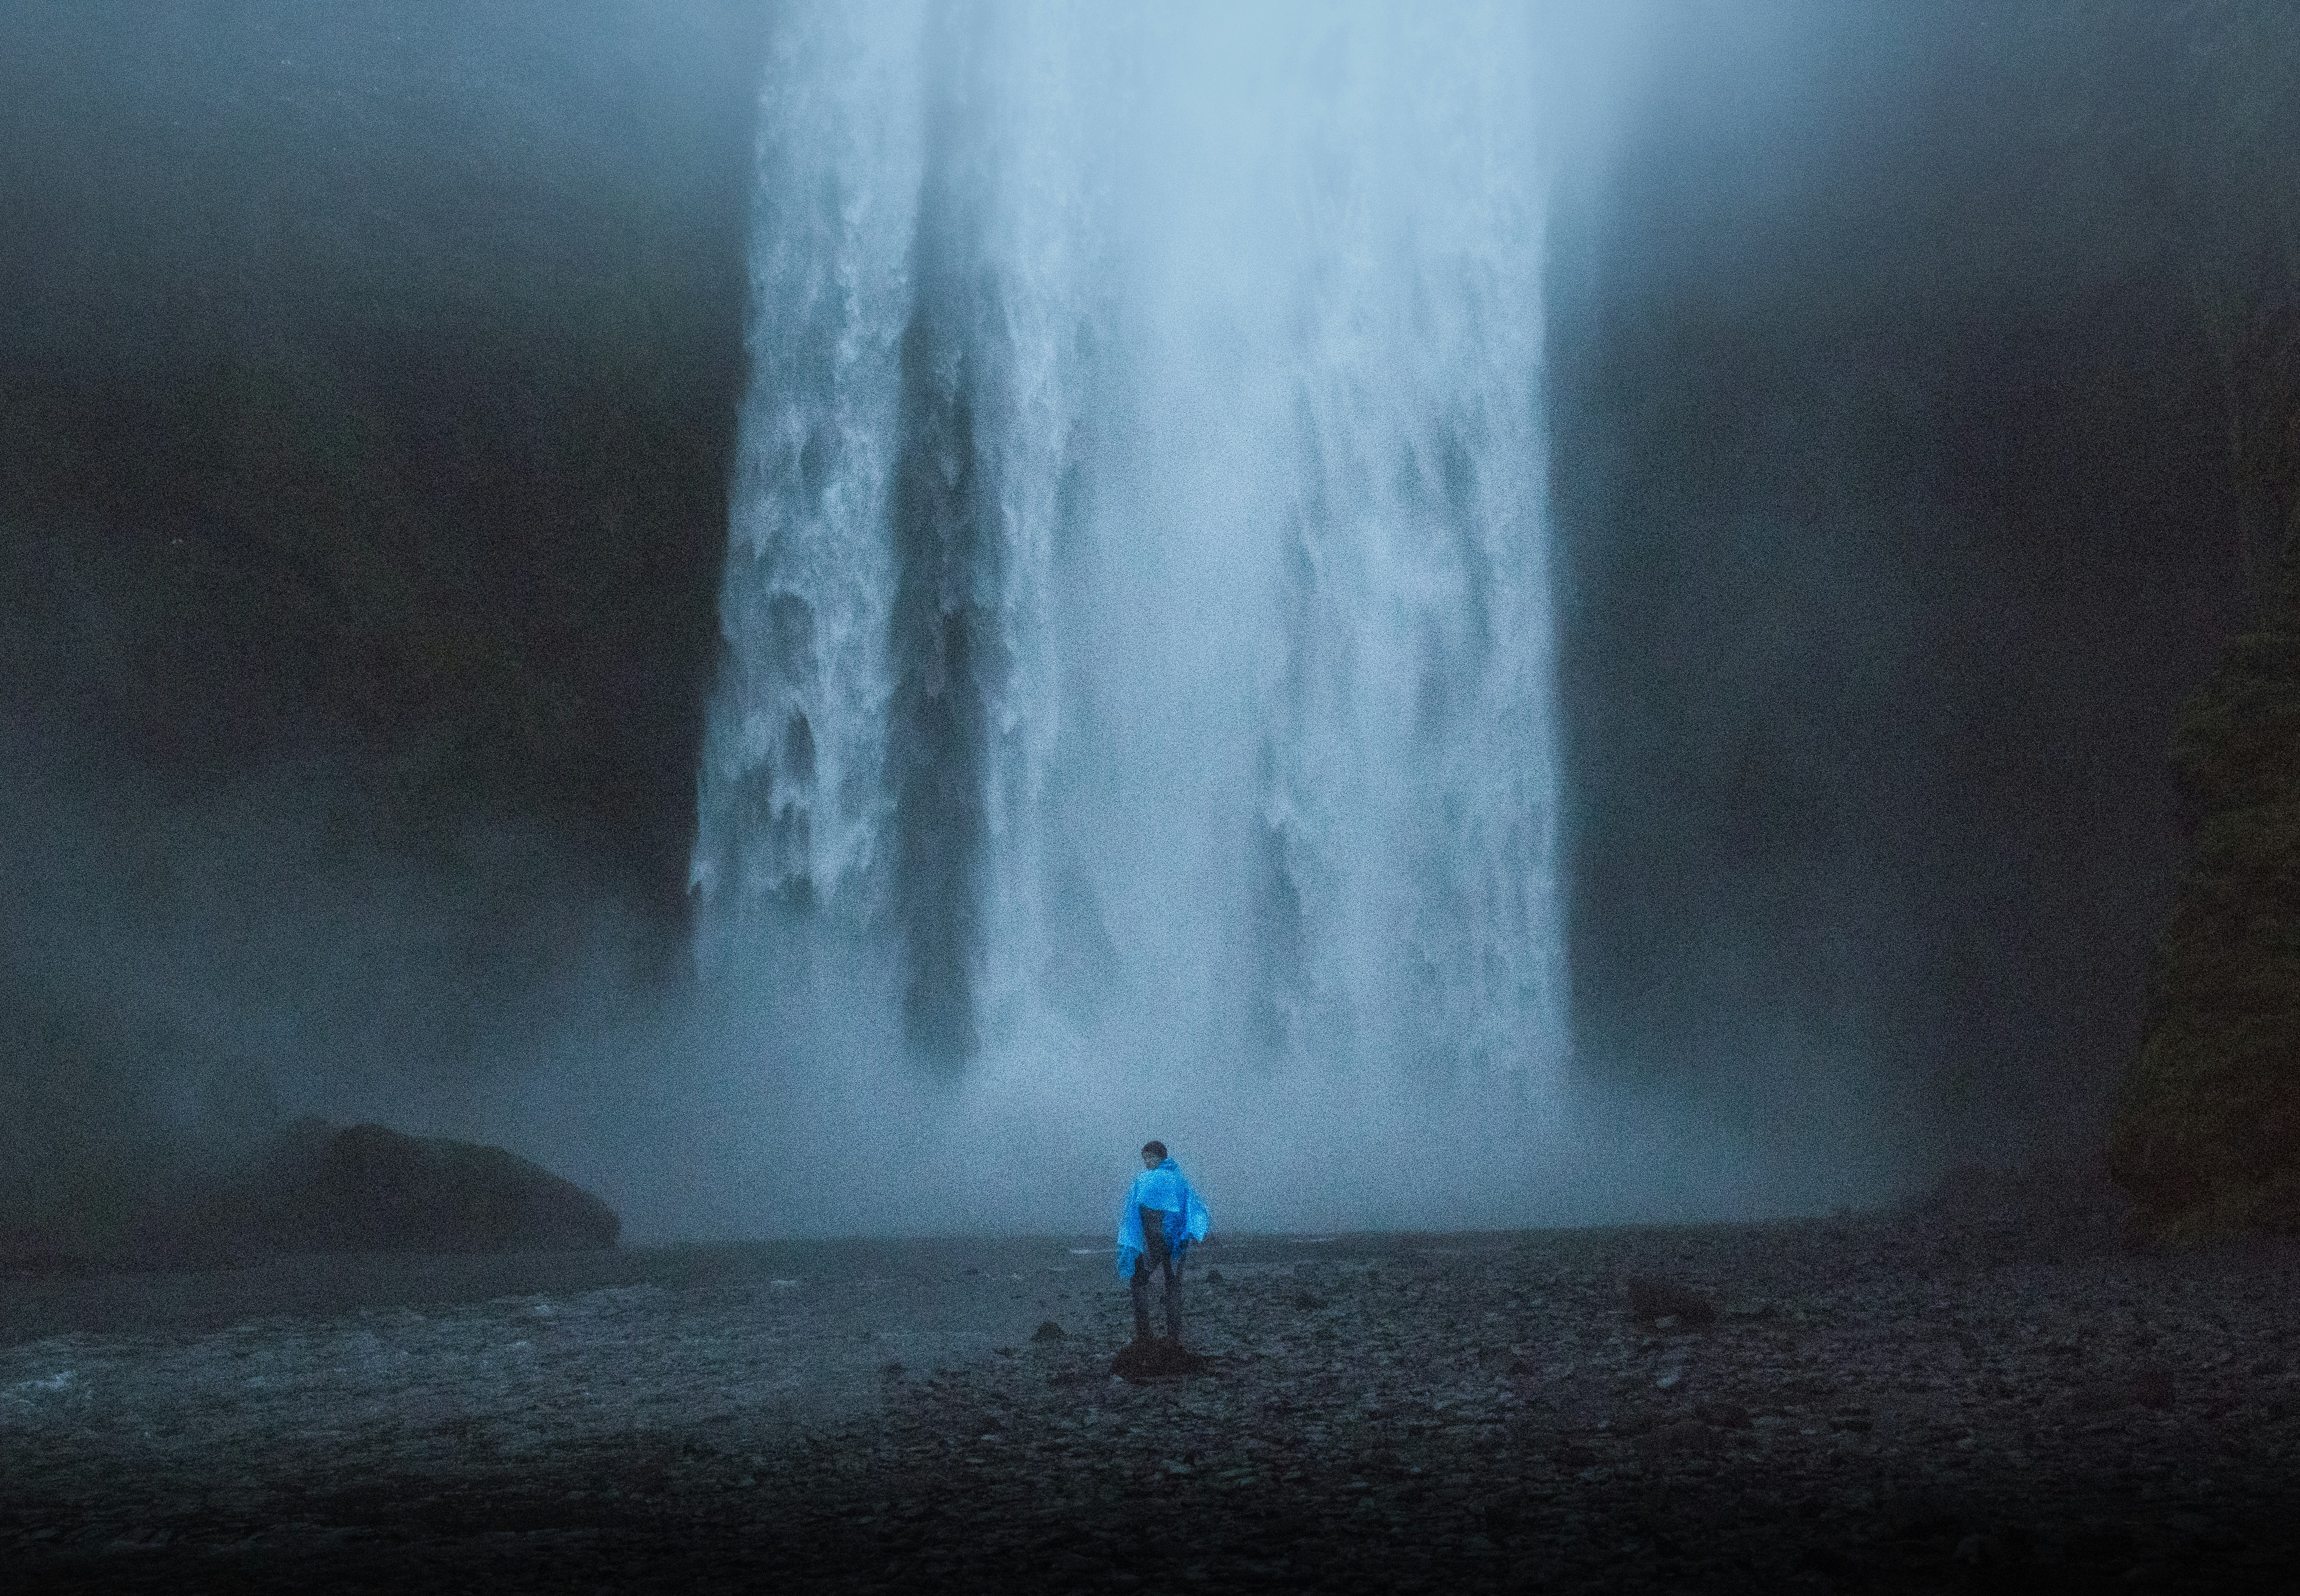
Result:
[{"x": 1908, "y": 1403}]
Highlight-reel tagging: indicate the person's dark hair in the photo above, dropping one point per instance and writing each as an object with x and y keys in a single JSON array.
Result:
[{"x": 1158, "y": 1147}]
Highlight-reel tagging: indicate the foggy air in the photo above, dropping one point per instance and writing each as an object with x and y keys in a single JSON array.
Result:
[{"x": 1577, "y": 719}]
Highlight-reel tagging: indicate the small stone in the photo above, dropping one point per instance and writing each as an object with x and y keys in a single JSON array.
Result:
[
  {"x": 1830, "y": 1562},
  {"x": 2152, "y": 1388},
  {"x": 2108, "y": 1543},
  {"x": 1686, "y": 1438},
  {"x": 1653, "y": 1300},
  {"x": 1154, "y": 1360},
  {"x": 1048, "y": 1330},
  {"x": 1504, "y": 1513}
]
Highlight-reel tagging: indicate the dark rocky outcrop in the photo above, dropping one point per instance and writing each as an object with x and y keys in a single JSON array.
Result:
[
  {"x": 431, "y": 485},
  {"x": 325, "y": 1188}
]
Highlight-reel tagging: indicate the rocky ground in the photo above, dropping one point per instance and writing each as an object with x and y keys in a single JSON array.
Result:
[{"x": 1903, "y": 1404}]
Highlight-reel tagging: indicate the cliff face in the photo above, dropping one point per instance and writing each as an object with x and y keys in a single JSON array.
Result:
[
  {"x": 367, "y": 387},
  {"x": 1896, "y": 511},
  {"x": 368, "y": 376},
  {"x": 2206, "y": 1133}
]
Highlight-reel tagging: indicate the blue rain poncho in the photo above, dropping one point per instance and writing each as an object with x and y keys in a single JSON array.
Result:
[{"x": 1185, "y": 1219}]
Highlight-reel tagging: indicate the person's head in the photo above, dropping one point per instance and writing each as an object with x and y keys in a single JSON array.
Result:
[{"x": 1153, "y": 1154}]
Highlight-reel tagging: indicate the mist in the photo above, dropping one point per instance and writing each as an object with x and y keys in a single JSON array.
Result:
[{"x": 419, "y": 570}]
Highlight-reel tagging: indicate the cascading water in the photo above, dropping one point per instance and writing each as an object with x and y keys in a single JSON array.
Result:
[{"x": 1136, "y": 713}]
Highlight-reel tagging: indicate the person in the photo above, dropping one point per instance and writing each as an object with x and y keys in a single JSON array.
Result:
[{"x": 1162, "y": 1217}]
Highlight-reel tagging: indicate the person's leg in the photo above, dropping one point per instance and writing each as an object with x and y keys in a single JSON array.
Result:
[
  {"x": 1173, "y": 1299},
  {"x": 1154, "y": 1260},
  {"x": 1138, "y": 1287}
]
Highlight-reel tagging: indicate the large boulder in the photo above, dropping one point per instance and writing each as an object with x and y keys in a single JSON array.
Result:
[
  {"x": 365, "y": 1188},
  {"x": 2205, "y": 1134}
]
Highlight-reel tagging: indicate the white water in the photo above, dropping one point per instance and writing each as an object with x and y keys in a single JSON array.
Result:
[{"x": 1138, "y": 713}]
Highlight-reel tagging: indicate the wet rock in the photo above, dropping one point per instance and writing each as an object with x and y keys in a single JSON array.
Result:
[
  {"x": 1308, "y": 1301},
  {"x": 1157, "y": 1359},
  {"x": 1919, "y": 1518},
  {"x": 1653, "y": 1299},
  {"x": 1048, "y": 1330},
  {"x": 2009, "y": 1548},
  {"x": 1508, "y": 1512},
  {"x": 1685, "y": 1438},
  {"x": 2151, "y": 1388},
  {"x": 2100, "y": 1543},
  {"x": 366, "y": 1188},
  {"x": 1829, "y": 1563}
]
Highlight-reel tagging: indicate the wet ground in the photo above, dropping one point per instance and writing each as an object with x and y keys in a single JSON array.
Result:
[{"x": 1880, "y": 1405}]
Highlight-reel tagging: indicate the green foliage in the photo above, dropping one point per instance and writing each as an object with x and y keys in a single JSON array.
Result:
[
  {"x": 2206, "y": 1129},
  {"x": 2237, "y": 748}
]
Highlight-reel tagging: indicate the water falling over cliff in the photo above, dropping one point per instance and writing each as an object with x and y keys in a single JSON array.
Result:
[{"x": 1136, "y": 714}]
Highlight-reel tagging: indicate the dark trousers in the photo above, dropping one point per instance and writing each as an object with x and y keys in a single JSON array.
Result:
[{"x": 1156, "y": 1258}]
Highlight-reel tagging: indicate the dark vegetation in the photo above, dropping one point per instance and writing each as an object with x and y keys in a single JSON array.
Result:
[{"x": 2206, "y": 1133}]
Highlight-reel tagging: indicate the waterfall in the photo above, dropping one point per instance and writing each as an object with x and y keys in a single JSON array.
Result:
[{"x": 1136, "y": 698}]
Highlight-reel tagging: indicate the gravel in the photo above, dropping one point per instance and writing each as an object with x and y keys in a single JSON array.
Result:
[{"x": 1879, "y": 1404}]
